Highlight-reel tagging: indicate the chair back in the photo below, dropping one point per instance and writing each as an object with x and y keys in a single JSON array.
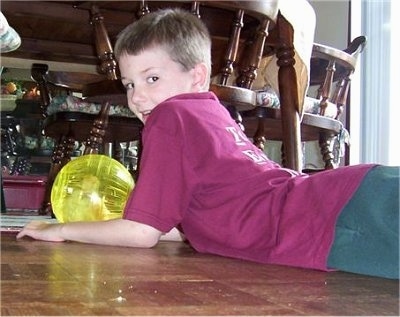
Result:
[{"x": 331, "y": 71}]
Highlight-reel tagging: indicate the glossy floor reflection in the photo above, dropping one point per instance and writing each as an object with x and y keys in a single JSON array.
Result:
[{"x": 42, "y": 279}]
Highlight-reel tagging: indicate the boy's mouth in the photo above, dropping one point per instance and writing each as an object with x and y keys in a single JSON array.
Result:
[{"x": 145, "y": 115}]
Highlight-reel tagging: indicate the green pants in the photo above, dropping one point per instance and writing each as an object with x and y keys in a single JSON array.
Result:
[{"x": 367, "y": 231}]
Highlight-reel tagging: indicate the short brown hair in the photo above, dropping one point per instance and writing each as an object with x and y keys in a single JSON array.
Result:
[{"x": 183, "y": 35}]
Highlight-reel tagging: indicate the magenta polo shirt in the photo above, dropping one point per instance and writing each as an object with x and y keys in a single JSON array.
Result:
[{"x": 199, "y": 172}]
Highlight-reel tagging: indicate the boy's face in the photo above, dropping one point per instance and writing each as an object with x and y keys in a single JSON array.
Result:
[{"x": 152, "y": 77}]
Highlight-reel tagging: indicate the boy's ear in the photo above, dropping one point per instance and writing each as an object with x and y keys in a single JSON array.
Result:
[{"x": 200, "y": 76}]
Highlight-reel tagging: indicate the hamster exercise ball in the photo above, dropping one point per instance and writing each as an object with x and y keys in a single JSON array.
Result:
[{"x": 91, "y": 187}]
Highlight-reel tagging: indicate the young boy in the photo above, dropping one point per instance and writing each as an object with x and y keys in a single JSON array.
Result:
[{"x": 200, "y": 173}]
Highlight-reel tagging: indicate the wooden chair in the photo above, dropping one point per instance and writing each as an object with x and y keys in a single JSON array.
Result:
[
  {"x": 93, "y": 129},
  {"x": 332, "y": 94},
  {"x": 273, "y": 35},
  {"x": 331, "y": 71}
]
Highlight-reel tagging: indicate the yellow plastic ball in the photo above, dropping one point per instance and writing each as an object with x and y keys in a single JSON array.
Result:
[{"x": 89, "y": 188}]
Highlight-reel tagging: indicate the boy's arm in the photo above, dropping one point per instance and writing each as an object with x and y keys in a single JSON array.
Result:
[{"x": 118, "y": 232}]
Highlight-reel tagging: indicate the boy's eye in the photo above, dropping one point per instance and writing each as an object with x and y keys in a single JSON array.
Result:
[
  {"x": 129, "y": 86},
  {"x": 152, "y": 79}
]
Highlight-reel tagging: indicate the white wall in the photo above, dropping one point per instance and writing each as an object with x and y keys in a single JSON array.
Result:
[{"x": 332, "y": 22}]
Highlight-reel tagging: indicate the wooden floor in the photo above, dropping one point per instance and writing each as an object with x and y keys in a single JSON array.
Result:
[{"x": 41, "y": 278}]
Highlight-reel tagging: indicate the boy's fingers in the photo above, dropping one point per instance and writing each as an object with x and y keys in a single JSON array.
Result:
[{"x": 31, "y": 225}]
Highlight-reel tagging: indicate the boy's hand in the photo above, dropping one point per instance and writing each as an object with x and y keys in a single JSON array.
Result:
[{"x": 40, "y": 230}]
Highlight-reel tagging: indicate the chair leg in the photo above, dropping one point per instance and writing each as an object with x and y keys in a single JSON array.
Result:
[
  {"x": 325, "y": 144},
  {"x": 61, "y": 156},
  {"x": 259, "y": 137},
  {"x": 98, "y": 131},
  {"x": 117, "y": 152},
  {"x": 290, "y": 108}
]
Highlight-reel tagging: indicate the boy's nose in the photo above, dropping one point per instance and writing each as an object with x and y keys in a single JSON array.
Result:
[{"x": 137, "y": 96}]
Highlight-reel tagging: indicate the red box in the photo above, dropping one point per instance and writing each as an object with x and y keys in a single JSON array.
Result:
[{"x": 24, "y": 192}]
